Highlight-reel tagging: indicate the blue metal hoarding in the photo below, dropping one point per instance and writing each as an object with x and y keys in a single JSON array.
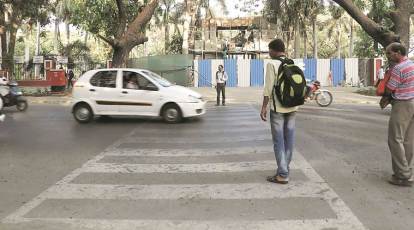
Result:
[
  {"x": 204, "y": 73},
  {"x": 256, "y": 72},
  {"x": 230, "y": 66},
  {"x": 338, "y": 71}
]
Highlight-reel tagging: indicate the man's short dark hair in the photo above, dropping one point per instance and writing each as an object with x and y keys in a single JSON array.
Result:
[
  {"x": 398, "y": 48},
  {"x": 277, "y": 45}
]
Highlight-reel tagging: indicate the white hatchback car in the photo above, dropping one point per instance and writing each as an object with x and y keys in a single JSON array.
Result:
[{"x": 133, "y": 92}]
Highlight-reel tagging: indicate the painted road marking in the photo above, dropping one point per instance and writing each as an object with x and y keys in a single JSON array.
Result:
[{"x": 316, "y": 187}]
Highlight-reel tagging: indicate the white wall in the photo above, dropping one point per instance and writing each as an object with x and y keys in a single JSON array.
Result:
[
  {"x": 323, "y": 68},
  {"x": 243, "y": 72},
  {"x": 351, "y": 70}
]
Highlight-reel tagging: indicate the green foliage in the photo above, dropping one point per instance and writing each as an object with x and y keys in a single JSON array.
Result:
[
  {"x": 364, "y": 46},
  {"x": 29, "y": 11},
  {"x": 101, "y": 16},
  {"x": 176, "y": 44}
]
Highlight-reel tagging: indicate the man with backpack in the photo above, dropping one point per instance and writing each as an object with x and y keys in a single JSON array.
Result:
[{"x": 285, "y": 89}]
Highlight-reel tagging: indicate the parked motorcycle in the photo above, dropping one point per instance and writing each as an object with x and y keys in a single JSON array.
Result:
[
  {"x": 322, "y": 96},
  {"x": 11, "y": 95}
]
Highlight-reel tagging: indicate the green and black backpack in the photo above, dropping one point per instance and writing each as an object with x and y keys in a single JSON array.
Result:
[{"x": 290, "y": 87}]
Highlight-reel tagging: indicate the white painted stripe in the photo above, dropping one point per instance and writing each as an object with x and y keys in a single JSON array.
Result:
[
  {"x": 346, "y": 219},
  {"x": 103, "y": 224},
  {"x": 188, "y": 152},
  {"x": 193, "y": 139},
  {"x": 145, "y": 130},
  {"x": 181, "y": 168},
  {"x": 263, "y": 190},
  {"x": 343, "y": 212},
  {"x": 18, "y": 215}
]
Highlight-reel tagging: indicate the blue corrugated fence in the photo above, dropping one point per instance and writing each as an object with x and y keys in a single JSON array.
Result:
[
  {"x": 230, "y": 66},
  {"x": 256, "y": 72},
  {"x": 204, "y": 70},
  {"x": 338, "y": 71}
]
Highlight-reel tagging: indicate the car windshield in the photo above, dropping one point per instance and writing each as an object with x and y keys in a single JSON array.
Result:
[{"x": 160, "y": 80}]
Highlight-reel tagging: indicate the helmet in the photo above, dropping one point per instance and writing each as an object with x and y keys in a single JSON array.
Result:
[
  {"x": 317, "y": 83},
  {"x": 3, "y": 81}
]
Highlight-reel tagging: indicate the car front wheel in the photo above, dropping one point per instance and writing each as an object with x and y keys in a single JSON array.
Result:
[
  {"x": 172, "y": 114},
  {"x": 83, "y": 113}
]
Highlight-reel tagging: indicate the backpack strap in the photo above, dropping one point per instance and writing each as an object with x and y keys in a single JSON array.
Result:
[{"x": 274, "y": 87}]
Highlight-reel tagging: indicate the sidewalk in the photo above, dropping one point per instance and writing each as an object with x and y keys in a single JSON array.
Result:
[{"x": 342, "y": 95}]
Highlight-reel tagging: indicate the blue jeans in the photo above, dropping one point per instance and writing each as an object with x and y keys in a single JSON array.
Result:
[{"x": 283, "y": 135}]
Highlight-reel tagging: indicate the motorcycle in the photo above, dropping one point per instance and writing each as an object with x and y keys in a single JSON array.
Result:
[
  {"x": 11, "y": 95},
  {"x": 322, "y": 96}
]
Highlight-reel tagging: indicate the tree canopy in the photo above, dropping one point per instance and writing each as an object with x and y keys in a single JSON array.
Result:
[{"x": 119, "y": 23}]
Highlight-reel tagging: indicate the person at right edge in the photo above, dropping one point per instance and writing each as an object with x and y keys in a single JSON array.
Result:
[
  {"x": 282, "y": 121},
  {"x": 399, "y": 92}
]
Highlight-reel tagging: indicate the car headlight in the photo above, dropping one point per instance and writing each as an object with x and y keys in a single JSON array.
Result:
[{"x": 194, "y": 99}]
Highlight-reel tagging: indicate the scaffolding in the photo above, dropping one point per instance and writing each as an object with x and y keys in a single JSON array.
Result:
[{"x": 244, "y": 38}]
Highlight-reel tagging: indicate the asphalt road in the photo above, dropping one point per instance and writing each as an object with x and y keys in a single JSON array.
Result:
[{"x": 343, "y": 144}]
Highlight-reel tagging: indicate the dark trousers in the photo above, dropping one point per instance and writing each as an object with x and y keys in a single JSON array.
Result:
[
  {"x": 70, "y": 83},
  {"x": 221, "y": 87}
]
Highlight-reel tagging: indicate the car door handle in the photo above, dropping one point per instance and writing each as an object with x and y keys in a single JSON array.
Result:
[
  {"x": 125, "y": 92},
  {"x": 92, "y": 90}
]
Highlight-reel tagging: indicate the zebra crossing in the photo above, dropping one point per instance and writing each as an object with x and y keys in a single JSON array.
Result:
[{"x": 203, "y": 174}]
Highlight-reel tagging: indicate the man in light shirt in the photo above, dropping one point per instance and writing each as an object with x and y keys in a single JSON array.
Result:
[
  {"x": 282, "y": 119},
  {"x": 221, "y": 79}
]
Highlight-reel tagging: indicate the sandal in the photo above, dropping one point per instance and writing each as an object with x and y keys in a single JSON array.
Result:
[{"x": 277, "y": 179}]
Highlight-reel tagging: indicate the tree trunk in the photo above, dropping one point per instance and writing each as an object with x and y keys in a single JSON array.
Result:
[
  {"x": 315, "y": 39},
  {"x": 305, "y": 44},
  {"x": 3, "y": 44},
  {"x": 9, "y": 62},
  {"x": 186, "y": 33},
  {"x": 338, "y": 35},
  {"x": 167, "y": 38},
  {"x": 86, "y": 38},
  {"x": 166, "y": 31},
  {"x": 351, "y": 39},
  {"x": 56, "y": 37},
  {"x": 189, "y": 20},
  {"x": 67, "y": 33},
  {"x": 401, "y": 19},
  {"x": 400, "y": 16},
  {"x": 27, "y": 53},
  {"x": 37, "y": 52},
  {"x": 297, "y": 40},
  {"x": 120, "y": 56}
]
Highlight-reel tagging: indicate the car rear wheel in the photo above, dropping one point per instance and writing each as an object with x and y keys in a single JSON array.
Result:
[
  {"x": 83, "y": 113},
  {"x": 172, "y": 114}
]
